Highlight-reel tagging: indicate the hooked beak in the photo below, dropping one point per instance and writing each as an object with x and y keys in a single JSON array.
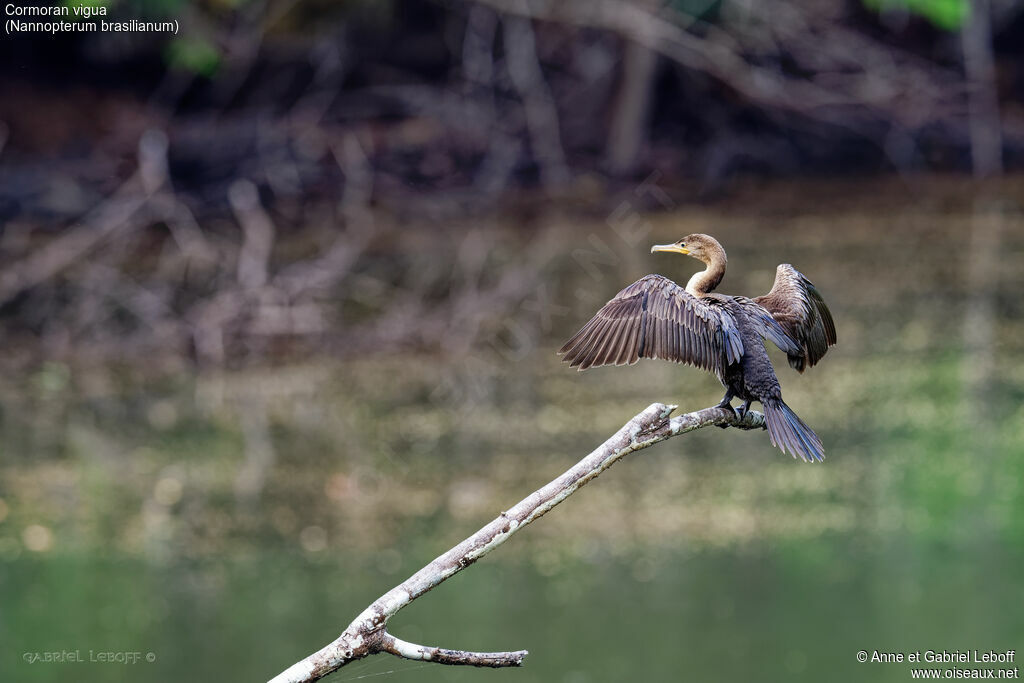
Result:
[{"x": 673, "y": 248}]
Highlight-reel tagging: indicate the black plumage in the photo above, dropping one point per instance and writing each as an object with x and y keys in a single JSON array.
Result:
[{"x": 656, "y": 318}]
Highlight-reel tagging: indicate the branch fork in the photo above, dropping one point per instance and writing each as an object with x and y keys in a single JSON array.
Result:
[{"x": 368, "y": 634}]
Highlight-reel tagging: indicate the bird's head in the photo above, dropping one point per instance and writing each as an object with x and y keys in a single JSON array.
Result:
[{"x": 700, "y": 246}]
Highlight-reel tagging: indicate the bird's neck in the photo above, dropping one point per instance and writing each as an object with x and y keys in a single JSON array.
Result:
[{"x": 706, "y": 280}]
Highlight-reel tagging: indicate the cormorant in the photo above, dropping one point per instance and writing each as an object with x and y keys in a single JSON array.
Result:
[{"x": 656, "y": 318}]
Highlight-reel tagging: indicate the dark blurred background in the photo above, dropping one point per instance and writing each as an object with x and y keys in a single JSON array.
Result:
[{"x": 280, "y": 296}]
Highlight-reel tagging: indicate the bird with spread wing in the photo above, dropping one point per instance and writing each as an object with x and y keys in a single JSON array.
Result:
[{"x": 656, "y": 318}]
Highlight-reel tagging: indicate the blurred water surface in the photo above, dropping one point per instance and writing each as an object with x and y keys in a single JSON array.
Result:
[{"x": 232, "y": 522}]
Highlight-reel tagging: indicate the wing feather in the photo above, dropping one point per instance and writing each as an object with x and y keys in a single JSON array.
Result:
[
  {"x": 796, "y": 304},
  {"x": 656, "y": 318},
  {"x": 608, "y": 348}
]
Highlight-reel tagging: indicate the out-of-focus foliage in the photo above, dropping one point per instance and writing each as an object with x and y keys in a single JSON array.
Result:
[
  {"x": 196, "y": 55},
  {"x": 700, "y": 9},
  {"x": 946, "y": 14}
]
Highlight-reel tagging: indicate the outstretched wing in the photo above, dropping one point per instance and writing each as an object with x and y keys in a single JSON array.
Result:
[
  {"x": 798, "y": 307},
  {"x": 656, "y": 318},
  {"x": 766, "y": 325}
]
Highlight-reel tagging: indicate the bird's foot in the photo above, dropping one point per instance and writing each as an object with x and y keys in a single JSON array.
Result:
[
  {"x": 727, "y": 406},
  {"x": 742, "y": 413},
  {"x": 743, "y": 410}
]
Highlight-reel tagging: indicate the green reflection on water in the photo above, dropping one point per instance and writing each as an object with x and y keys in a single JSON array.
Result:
[{"x": 779, "y": 612}]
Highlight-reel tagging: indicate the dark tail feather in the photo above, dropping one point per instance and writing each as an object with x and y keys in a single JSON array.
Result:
[{"x": 789, "y": 433}]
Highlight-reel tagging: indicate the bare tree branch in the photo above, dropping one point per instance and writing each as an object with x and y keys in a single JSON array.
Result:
[
  {"x": 120, "y": 213},
  {"x": 367, "y": 634},
  {"x": 439, "y": 655},
  {"x": 983, "y": 101},
  {"x": 852, "y": 71},
  {"x": 538, "y": 103}
]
